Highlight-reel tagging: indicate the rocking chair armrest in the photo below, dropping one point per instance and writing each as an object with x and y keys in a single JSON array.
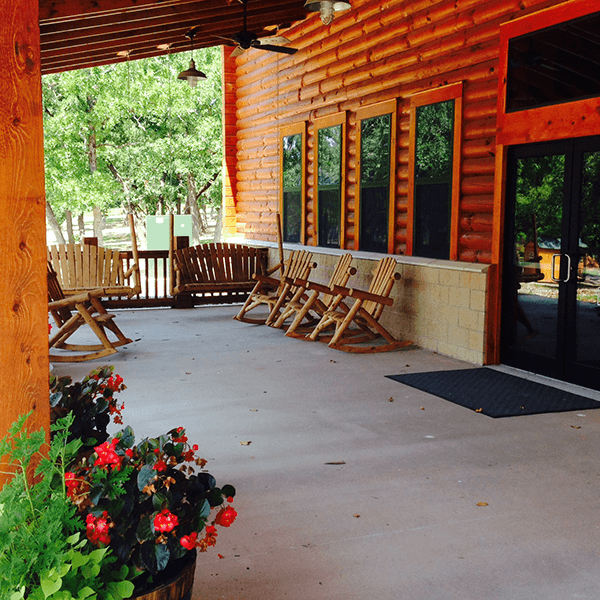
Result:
[
  {"x": 265, "y": 279},
  {"x": 274, "y": 268},
  {"x": 131, "y": 270},
  {"x": 69, "y": 302},
  {"x": 319, "y": 287},
  {"x": 362, "y": 295}
]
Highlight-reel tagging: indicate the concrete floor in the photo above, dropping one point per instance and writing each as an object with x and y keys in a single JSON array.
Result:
[{"x": 400, "y": 518}]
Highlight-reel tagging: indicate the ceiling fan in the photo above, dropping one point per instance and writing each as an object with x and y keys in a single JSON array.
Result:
[{"x": 248, "y": 39}]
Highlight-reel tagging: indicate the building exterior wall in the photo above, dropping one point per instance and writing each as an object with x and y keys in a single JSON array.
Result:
[{"x": 380, "y": 51}]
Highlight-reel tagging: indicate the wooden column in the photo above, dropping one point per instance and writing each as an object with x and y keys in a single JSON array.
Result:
[
  {"x": 23, "y": 293},
  {"x": 229, "y": 143}
]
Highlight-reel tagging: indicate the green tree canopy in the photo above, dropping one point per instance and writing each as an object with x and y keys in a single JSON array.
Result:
[{"x": 133, "y": 135}]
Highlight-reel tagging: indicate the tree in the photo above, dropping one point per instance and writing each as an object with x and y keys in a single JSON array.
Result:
[{"x": 132, "y": 135}]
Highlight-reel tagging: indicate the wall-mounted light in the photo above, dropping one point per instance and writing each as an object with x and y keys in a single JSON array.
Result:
[
  {"x": 192, "y": 74},
  {"x": 326, "y": 8}
]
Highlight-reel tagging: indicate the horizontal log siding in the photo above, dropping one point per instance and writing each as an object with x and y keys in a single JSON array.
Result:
[{"x": 377, "y": 51}]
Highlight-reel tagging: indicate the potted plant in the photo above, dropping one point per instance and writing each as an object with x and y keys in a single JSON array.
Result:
[
  {"x": 92, "y": 402},
  {"x": 44, "y": 554},
  {"x": 150, "y": 503}
]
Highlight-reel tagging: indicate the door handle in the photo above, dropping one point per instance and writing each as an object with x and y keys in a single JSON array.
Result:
[{"x": 553, "y": 268}]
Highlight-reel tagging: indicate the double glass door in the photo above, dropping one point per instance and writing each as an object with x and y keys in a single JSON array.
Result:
[{"x": 551, "y": 290}]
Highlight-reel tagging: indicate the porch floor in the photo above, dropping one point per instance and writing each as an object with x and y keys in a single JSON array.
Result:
[{"x": 400, "y": 517}]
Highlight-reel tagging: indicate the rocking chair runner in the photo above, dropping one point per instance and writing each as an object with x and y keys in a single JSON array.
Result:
[
  {"x": 70, "y": 313},
  {"x": 84, "y": 267},
  {"x": 319, "y": 300},
  {"x": 364, "y": 314},
  {"x": 275, "y": 292}
]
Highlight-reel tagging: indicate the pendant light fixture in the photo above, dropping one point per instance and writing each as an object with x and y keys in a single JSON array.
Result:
[
  {"x": 192, "y": 74},
  {"x": 326, "y": 8}
]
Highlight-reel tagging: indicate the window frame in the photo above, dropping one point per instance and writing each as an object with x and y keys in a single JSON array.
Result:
[
  {"x": 285, "y": 131},
  {"x": 367, "y": 112},
  {"x": 454, "y": 92},
  {"x": 340, "y": 118},
  {"x": 558, "y": 121}
]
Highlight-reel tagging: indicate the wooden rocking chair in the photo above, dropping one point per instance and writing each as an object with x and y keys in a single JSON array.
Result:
[
  {"x": 318, "y": 301},
  {"x": 275, "y": 292},
  {"x": 364, "y": 314},
  {"x": 85, "y": 267},
  {"x": 70, "y": 313}
]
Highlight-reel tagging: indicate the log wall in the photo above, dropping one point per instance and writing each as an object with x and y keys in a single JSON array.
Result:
[{"x": 379, "y": 50}]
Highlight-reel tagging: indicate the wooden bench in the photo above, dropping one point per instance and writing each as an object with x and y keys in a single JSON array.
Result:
[
  {"x": 217, "y": 273},
  {"x": 85, "y": 267}
]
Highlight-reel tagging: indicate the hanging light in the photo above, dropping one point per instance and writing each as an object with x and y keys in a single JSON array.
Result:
[
  {"x": 192, "y": 74},
  {"x": 326, "y": 8}
]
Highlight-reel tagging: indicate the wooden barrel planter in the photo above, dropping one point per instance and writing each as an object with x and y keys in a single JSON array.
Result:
[{"x": 178, "y": 587}]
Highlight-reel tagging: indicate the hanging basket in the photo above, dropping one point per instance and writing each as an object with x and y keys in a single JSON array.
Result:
[{"x": 178, "y": 587}]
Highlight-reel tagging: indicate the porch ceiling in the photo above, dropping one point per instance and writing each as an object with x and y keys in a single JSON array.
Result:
[{"x": 77, "y": 34}]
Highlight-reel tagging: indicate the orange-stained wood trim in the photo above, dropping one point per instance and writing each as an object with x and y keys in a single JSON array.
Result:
[
  {"x": 322, "y": 123},
  {"x": 285, "y": 131},
  {"x": 561, "y": 121},
  {"x": 442, "y": 94},
  {"x": 23, "y": 288},
  {"x": 367, "y": 112},
  {"x": 229, "y": 215}
]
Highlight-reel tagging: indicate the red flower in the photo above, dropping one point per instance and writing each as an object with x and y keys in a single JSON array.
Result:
[
  {"x": 226, "y": 516},
  {"x": 129, "y": 452},
  {"x": 160, "y": 465},
  {"x": 189, "y": 541},
  {"x": 97, "y": 528},
  {"x": 107, "y": 455},
  {"x": 165, "y": 521}
]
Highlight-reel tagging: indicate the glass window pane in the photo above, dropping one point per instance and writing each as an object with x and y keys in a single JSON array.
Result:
[
  {"x": 292, "y": 188},
  {"x": 435, "y": 127},
  {"x": 375, "y": 147},
  {"x": 433, "y": 179},
  {"x": 554, "y": 65},
  {"x": 329, "y": 159}
]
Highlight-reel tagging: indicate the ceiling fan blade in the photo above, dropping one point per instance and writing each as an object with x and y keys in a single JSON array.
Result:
[
  {"x": 275, "y": 40},
  {"x": 239, "y": 50},
  {"x": 282, "y": 49}
]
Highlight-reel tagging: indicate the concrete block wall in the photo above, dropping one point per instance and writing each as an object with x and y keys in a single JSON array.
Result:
[{"x": 439, "y": 305}]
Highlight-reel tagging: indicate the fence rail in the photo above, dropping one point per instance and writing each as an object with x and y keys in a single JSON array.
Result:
[{"x": 155, "y": 280}]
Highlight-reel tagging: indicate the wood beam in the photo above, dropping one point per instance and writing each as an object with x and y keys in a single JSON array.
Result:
[{"x": 23, "y": 291}]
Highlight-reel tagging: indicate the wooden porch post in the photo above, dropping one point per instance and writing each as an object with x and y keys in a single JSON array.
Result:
[{"x": 23, "y": 294}]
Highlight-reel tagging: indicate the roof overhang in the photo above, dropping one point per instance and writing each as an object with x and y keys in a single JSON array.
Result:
[{"x": 77, "y": 34}]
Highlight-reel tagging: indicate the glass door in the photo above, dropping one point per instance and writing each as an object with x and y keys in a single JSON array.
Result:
[{"x": 551, "y": 313}]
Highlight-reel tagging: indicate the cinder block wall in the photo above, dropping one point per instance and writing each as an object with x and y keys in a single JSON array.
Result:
[{"x": 439, "y": 305}]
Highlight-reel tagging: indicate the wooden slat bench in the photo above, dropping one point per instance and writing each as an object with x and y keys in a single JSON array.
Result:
[
  {"x": 85, "y": 267},
  {"x": 217, "y": 273}
]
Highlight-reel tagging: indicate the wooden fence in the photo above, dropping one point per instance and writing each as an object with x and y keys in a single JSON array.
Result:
[{"x": 155, "y": 280}]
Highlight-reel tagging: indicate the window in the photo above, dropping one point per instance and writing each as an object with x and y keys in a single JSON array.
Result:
[
  {"x": 554, "y": 65},
  {"x": 434, "y": 173},
  {"x": 292, "y": 183},
  {"x": 377, "y": 142},
  {"x": 330, "y": 159}
]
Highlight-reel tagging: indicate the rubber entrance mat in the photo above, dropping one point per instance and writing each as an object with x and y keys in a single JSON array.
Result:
[{"x": 494, "y": 393}]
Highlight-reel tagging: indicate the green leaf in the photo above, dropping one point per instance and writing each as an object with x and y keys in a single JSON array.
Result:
[
  {"x": 50, "y": 584},
  {"x": 228, "y": 490},
  {"x": 162, "y": 556},
  {"x": 145, "y": 476},
  {"x": 145, "y": 531},
  {"x": 85, "y": 592}
]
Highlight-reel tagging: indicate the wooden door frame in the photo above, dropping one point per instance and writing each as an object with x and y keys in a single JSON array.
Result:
[{"x": 562, "y": 121}]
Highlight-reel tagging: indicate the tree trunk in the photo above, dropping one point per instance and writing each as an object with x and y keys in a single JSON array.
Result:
[
  {"x": 218, "y": 225},
  {"x": 193, "y": 206},
  {"x": 69, "y": 220},
  {"x": 81, "y": 225},
  {"x": 98, "y": 225},
  {"x": 53, "y": 222}
]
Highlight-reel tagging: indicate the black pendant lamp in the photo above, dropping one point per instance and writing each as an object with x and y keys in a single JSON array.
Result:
[{"x": 192, "y": 74}]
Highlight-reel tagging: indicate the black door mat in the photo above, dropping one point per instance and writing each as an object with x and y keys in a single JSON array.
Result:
[{"x": 494, "y": 393}]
